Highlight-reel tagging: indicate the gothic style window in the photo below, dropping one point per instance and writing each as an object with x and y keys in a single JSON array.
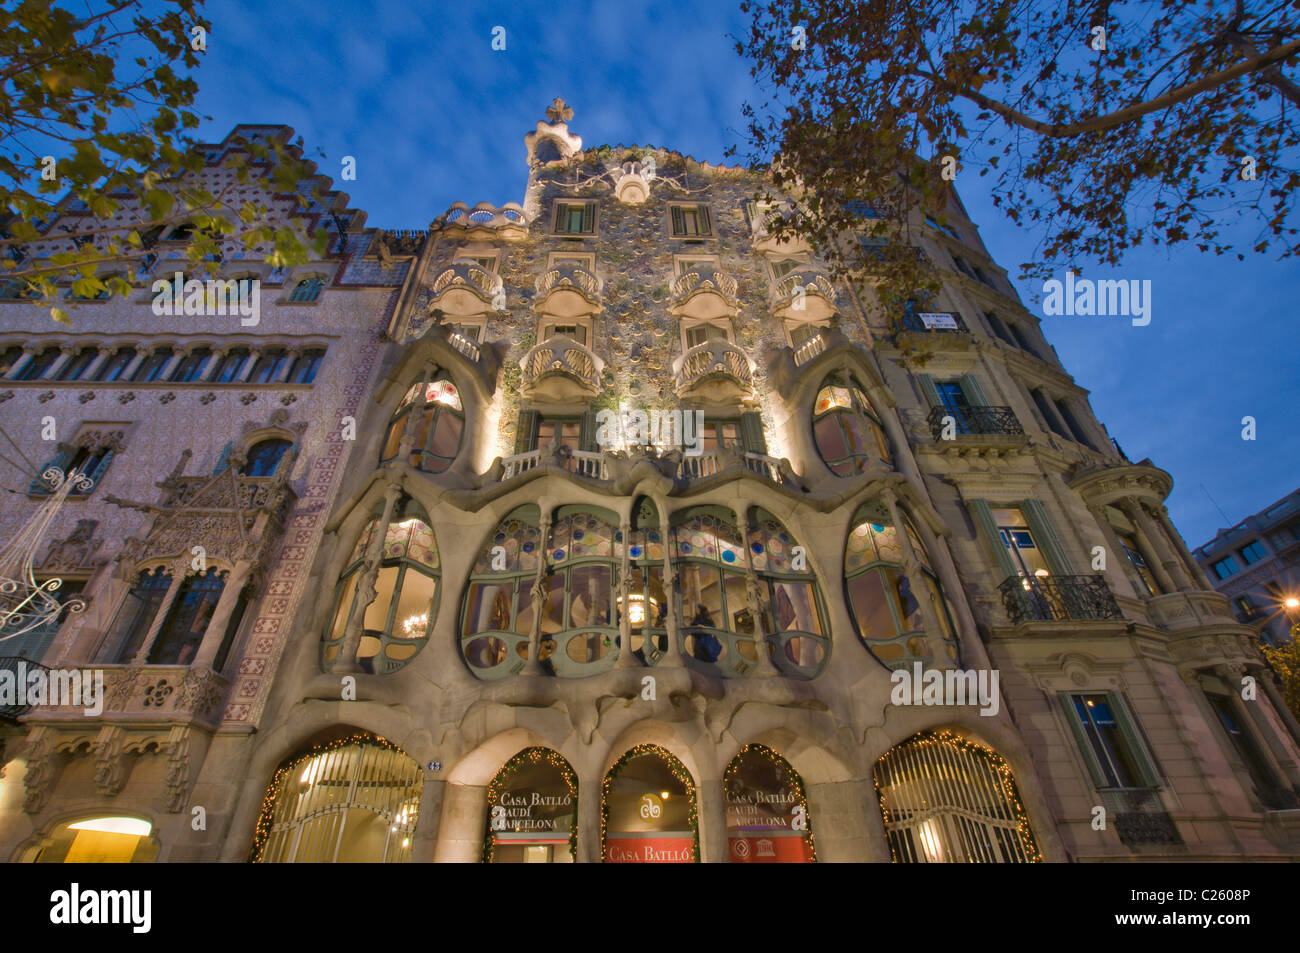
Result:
[
  {"x": 264, "y": 456},
  {"x": 647, "y": 608},
  {"x": 355, "y": 800},
  {"x": 269, "y": 366},
  {"x": 231, "y": 365},
  {"x": 497, "y": 617},
  {"x": 396, "y": 624},
  {"x": 647, "y": 809},
  {"x": 847, "y": 431},
  {"x": 91, "y": 459},
  {"x": 797, "y": 636},
  {"x": 438, "y": 428},
  {"x": 884, "y": 602},
  {"x": 135, "y": 616},
  {"x": 178, "y": 639},
  {"x": 191, "y": 366},
  {"x": 946, "y": 799},
  {"x": 308, "y": 289},
  {"x": 115, "y": 366},
  {"x": 151, "y": 367},
  {"x": 767, "y": 810},
  {"x": 717, "y": 624},
  {"x": 578, "y": 625},
  {"x": 305, "y": 367},
  {"x": 77, "y": 365},
  {"x": 38, "y": 365}
]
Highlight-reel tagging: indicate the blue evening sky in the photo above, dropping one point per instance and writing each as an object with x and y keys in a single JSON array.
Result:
[{"x": 433, "y": 116}]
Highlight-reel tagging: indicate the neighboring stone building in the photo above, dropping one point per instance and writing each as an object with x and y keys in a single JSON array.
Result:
[
  {"x": 555, "y": 613},
  {"x": 196, "y": 431},
  {"x": 1256, "y": 564}
]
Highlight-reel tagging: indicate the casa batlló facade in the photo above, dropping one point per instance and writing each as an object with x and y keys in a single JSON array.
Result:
[{"x": 610, "y": 528}]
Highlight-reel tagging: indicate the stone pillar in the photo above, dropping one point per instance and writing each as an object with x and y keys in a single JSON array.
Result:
[
  {"x": 247, "y": 371},
  {"x": 1116, "y": 547},
  {"x": 846, "y": 823},
  {"x": 1263, "y": 728},
  {"x": 946, "y": 570},
  {"x": 104, "y": 353},
  {"x": 712, "y": 810},
  {"x": 178, "y": 579},
  {"x": 172, "y": 362},
  {"x": 590, "y": 850},
  {"x": 1164, "y": 564},
  {"x": 424, "y": 844},
  {"x": 218, "y": 355},
  {"x": 622, "y": 594},
  {"x": 461, "y": 825},
  {"x": 215, "y": 633},
  {"x": 66, "y": 353},
  {"x": 18, "y": 365},
  {"x": 1194, "y": 571},
  {"x": 673, "y": 657},
  {"x": 754, "y": 589},
  {"x": 347, "y": 658},
  {"x": 533, "y": 666},
  {"x": 290, "y": 355},
  {"x": 142, "y": 352}
]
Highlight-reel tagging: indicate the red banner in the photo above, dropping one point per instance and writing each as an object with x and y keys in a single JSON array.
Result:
[
  {"x": 649, "y": 850},
  {"x": 758, "y": 849}
]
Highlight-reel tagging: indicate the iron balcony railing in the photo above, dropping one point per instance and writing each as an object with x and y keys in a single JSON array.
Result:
[
  {"x": 1058, "y": 598},
  {"x": 978, "y": 421},
  {"x": 1139, "y": 816}
]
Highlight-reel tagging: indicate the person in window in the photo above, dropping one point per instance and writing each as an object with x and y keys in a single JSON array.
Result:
[
  {"x": 707, "y": 646},
  {"x": 702, "y": 615}
]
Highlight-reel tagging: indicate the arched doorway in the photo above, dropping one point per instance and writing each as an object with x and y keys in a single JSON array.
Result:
[
  {"x": 948, "y": 799},
  {"x": 352, "y": 799},
  {"x": 532, "y": 811},
  {"x": 648, "y": 811},
  {"x": 97, "y": 839},
  {"x": 767, "y": 810}
]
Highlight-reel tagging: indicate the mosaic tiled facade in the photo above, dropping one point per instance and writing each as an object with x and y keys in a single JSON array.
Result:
[{"x": 613, "y": 526}]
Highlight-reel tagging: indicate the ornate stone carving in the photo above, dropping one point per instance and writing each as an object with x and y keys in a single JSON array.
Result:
[
  {"x": 40, "y": 770},
  {"x": 124, "y": 688},
  {"x": 178, "y": 768},
  {"x": 199, "y": 691},
  {"x": 157, "y": 693},
  {"x": 108, "y": 761},
  {"x": 77, "y": 550}
]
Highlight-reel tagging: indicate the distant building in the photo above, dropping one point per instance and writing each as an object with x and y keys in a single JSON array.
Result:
[{"x": 1256, "y": 564}]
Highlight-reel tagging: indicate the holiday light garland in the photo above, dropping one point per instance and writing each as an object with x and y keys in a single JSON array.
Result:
[
  {"x": 678, "y": 771},
  {"x": 945, "y": 738},
  {"x": 528, "y": 758},
  {"x": 267, "y": 815},
  {"x": 791, "y": 777}
]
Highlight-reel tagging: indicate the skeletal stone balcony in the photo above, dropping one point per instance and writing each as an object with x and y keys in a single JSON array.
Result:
[
  {"x": 805, "y": 294},
  {"x": 717, "y": 461},
  {"x": 1058, "y": 598},
  {"x": 463, "y": 287},
  {"x": 705, "y": 292},
  {"x": 561, "y": 369},
  {"x": 715, "y": 371},
  {"x": 484, "y": 221},
  {"x": 760, "y": 226},
  {"x": 568, "y": 291}
]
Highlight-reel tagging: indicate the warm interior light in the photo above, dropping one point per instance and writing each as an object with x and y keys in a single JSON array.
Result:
[
  {"x": 415, "y": 624},
  {"x": 1041, "y": 573},
  {"x": 1292, "y": 603},
  {"x": 406, "y": 842},
  {"x": 931, "y": 842},
  {"x": 114, "y": 825},
  {"x": 639, "y": 608},
  {"x": 664, "y": 795}
]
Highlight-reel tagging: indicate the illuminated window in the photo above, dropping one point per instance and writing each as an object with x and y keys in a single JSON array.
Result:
[
  {"x": 767, "y": 811},
  {"x": 532, "y": 811},
  {"x": 135, "y": 616},
  {"x": 948, "y": 800},
  {"x": 354, "y": 801},
  {"x": 646, "y": 804},
  {"x": 718, "y": 627},
  {"x": 794, "y": 626},
  {"x": 396, "y": 624},
  {"x": 98, "y": 840},
  {"x": 497, "y": 615},
  {"x": 884, "y": 602},
  {"x": 438, "y": 426},
  {"x": 847, "y": 431}
]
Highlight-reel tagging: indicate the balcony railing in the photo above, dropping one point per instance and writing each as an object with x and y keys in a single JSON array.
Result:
[
  {"x": 568, "y": 274},
  {"x": 465, "y": 345},
  {"x": 716, "y": 461},
  {"x": 468, "y": 274},
  {"x": 562, "y": 355},
  {"x": 705, "y": 292},
  {"x": 978, "y": 421},
  {"x": 581, "y": 462},
  {"x": 1139, "y": 816},
  {"x": 716, "y": 357},
  {"x": 1058, "y": 598},
  {"x": 804, "y": 292},
  {"x": 927, "y": 322},
  {"x": 483, "y": 215},
  {"x": 809, "y": 349}
]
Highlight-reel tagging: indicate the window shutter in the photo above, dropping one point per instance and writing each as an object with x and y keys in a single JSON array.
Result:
[
  {"x": 679, "y": 226},
  {"x": 751, "y": 432},
  {"x": 223, "y": 460},
  {"x": 970, "y": 386},
  {"x": 524, "y": 431},
  {"x": 1045, "y": 536},
  {"x": 706, "y": 226},
  {"x": 929, "y": 390},
  {"x": 589, "y": 218},
  {"x": 587, "y": 433},
  {"x": 983, "y": 515}
]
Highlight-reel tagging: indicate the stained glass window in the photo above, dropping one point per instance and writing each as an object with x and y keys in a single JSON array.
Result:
[
  {"x": 438, "y": 431},
  {"x": 847, "y": 430}
]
